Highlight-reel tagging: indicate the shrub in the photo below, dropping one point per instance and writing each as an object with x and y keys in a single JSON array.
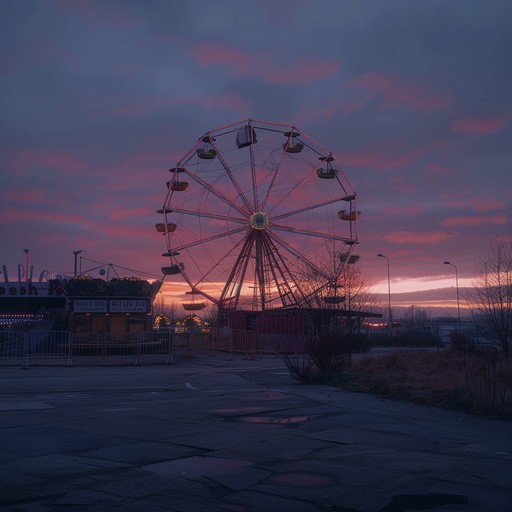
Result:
[
  {"x": 332, "y": 352},
  {"x": 300, "y": 366},
  {"x": 461, "y": 342},
  {"x": 488, "y": 377}
]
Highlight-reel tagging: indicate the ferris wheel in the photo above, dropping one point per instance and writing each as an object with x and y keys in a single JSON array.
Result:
[{"x": 253, "y": 216}]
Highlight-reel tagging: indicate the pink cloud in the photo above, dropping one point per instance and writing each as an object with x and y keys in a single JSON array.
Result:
[
  {"x": 305, "y": 71},
  {"x": 111, "y": 230},
  {"x": 395, "y": 92},
  {"x": 434, "y": 173},
  {"x": 485, "y": 205},
  {"x": 361, "y": 159},
  {"x": 480, "y": 125},
  {"x": 465, "y": 200},
  {"x": 27, "y": 195},
  {"x": 24, "y": 161},
  {"x": 408, "y": 210},
  {"x": 383, "y": 159},
  {"x": 409, "y": 237},
  {"x": 298, "y": 71},
  {"x": 207, "y": 55},
  {"x": 474, "y": 220},
  {"x": 398, "y": 184},
  {"x": 127, "y": 213},
  {"x": 404, "y": 159}
]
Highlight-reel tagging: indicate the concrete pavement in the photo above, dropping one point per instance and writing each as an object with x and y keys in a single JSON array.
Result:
[{"x": 210, "y": 434}]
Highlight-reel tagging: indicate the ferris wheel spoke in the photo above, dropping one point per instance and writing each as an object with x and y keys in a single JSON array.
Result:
[
  {"x": 208, "y": 215},
  {"x": 233, "y": 286},
  {"x": 216, "y": 262},
  {"x": 197, "y": 290},
  {"x": 312, "y": 207},
  {"x": 215, "y": 192},
  {"x": 272, "y": 182},
  {"x": 208, "y": 239},
  {"x": 288, "y": 287},
  {"x": 290, "y": 192},
  {"x": 298, "y": 255},
  {"x": 234, "y": 181},
  {"x": 306, "y": 232},
  {"x": 253, "y": 177}
]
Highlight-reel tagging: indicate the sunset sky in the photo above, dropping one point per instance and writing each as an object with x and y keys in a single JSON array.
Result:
[{"x": 99, "y": 98}]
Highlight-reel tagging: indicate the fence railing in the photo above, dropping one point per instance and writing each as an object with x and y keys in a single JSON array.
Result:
[
  {"x": 40, "y": 347},
  {"x": 33, "y": 348}
]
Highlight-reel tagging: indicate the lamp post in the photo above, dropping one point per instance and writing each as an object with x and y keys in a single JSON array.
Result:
[
  {"x": 26, "y": 264},
  {"x": 390, "y": 319},
  {"x": 76, "y": 253},
  {"x": 457, "y": 287}
]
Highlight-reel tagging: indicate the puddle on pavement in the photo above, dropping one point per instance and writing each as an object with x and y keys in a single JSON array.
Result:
[
  {"x": 303, "y": 479},
  {"x": 276, "y": 420}
]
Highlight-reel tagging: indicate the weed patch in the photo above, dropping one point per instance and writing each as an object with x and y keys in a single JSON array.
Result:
[{"x": 475, "y": 382}]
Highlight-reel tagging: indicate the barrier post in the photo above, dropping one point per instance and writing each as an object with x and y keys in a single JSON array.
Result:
[
  {"x": 70, "y": 349},
  {"x": 170, "y": 346},
  {"x": 137, "y": 348},
  {"x": 25, "y": 351}
]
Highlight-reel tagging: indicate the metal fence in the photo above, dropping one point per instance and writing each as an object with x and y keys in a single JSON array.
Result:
[
  {"x": 34, "y": 348},
  {"x": 44, "y": 347}
]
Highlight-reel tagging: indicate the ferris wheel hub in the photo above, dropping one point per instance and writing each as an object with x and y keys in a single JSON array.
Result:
[{"x": 259, "y": 220}]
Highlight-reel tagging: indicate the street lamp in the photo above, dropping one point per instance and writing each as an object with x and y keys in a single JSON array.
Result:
[
  {"x": 457, "y": 287},
  {"x": 26, "y": 264},
  {"x": 390, "y": 319},
  {"x": 76, "y": 253}
]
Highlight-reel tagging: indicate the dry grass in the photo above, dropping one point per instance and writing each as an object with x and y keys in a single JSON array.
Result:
[{"x": 475, "y": 383}]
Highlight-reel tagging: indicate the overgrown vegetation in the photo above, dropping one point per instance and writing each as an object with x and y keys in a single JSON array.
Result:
[
  {"x": 477, "y": 381},
  {"x": 465, "y": 377},
  {"x": 328, "y": 357}
]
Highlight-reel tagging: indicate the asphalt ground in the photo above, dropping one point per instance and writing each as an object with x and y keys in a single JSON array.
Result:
[{"x": 216, "y": 434}]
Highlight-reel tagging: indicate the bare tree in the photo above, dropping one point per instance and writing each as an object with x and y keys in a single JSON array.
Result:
[
  {"x": 358, "y": 297},
  {"x": 491, "y": 296},
  {"x": 345, "y": 297},
  {"x": 416, "y": 319}
]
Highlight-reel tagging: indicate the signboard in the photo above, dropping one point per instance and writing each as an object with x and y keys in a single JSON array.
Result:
[
  {"x": 128, "y": 306},
  {"x": 110, "y": 306},
  {"x": 51, "y": 289},
  {"x": 90, "y": 305}
]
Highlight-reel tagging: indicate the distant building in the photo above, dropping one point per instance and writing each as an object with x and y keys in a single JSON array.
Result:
[{"x": 444, "y": 328}]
